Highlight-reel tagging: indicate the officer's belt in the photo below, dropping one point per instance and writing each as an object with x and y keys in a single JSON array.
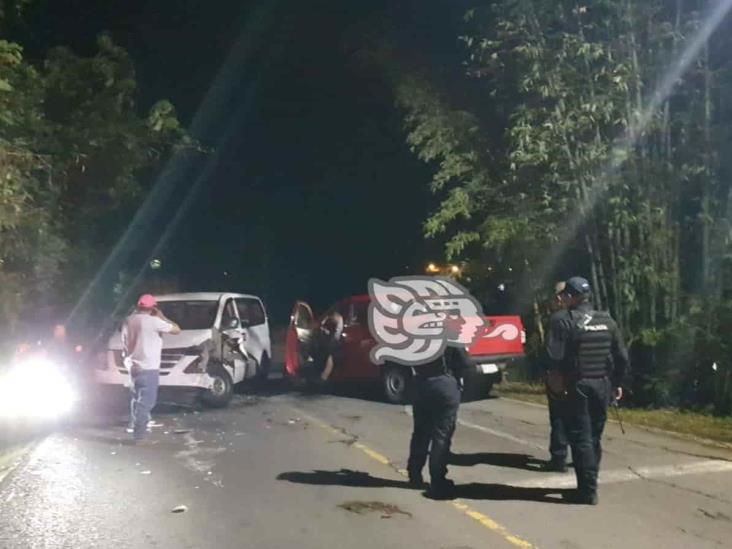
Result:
[{"x": 426, "y": 372}]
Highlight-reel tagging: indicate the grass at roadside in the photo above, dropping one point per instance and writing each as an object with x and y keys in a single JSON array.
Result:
[{"x": 705, "y": 426}]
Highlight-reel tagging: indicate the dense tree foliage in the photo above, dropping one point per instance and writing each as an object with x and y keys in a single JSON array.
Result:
[
  {"x": 75, "y": 159},
  {"x": 567, "y": 85}
]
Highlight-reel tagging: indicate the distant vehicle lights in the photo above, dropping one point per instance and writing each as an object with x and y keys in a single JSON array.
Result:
[{"x": 435, "y": 269}]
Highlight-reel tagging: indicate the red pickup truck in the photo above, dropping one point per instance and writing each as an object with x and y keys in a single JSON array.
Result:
[{"x": 500, "y": 345}]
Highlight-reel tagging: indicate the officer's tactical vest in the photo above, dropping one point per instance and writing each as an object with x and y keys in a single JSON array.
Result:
[{"x": 592, "y": 342}]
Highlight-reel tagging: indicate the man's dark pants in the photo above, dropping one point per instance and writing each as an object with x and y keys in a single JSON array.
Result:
[
  {"x": 144, "y": 397},
  {"x": 585, "y": 420},
  {"x": 558, "y": 441},
  {"x": 435, "y": 413}
]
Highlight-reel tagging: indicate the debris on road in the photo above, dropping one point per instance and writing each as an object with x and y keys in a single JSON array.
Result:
[
  {"x": 179, "y": 509},
  {"x": 386, "y": 510},
  {"x": 347, "y": 442},
  {"x": 146, "y": 472},
  {"x": 181, "y": 431}
]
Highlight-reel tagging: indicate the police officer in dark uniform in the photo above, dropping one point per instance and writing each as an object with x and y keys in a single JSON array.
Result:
[
  {"x": 435, "y": 410},
  {"x": 586, "y": 347},
  {"x": 558, "y": 443}
]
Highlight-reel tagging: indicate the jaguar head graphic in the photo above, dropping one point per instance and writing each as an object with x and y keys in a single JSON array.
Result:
[{"x": 413, "y": 319}]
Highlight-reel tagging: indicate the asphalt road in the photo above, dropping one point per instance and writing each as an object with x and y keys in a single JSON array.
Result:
[{"x": 280, "y": 470}]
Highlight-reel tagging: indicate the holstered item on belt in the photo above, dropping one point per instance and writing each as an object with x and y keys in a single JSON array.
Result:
[{"x": 558, "y": 384}]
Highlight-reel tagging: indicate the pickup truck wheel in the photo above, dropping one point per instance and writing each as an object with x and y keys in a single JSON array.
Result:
[
  {"x": 478, "y": 388},
  {"x": 485, "y": 388},
  {"x": 397, "y": 383},
  {"x": 222, "y": 389}
]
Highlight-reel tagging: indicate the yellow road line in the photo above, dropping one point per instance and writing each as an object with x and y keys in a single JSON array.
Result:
[
  {"x": 482, "y": 519},
  {"x": 372, "y": 453},
  {"x": 491, "y": 524}
]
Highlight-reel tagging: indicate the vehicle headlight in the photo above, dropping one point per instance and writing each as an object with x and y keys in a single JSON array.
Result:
[{"x": 35, "y": 388}]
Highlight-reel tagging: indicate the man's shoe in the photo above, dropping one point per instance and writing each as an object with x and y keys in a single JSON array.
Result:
[
  {"x": 444, "y": 489},
  {"x": 555, "y": 466},
  {"x": 131, "y": 430},
  {"x": 416, "y": 481},
  {"x": 582, "y": 498}
]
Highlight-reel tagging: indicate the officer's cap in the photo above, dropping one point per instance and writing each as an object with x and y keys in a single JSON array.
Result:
[{"x": 578, "y": 286}]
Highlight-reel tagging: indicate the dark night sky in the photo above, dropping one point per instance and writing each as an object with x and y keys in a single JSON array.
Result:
[{"x": 315, "y": 190}]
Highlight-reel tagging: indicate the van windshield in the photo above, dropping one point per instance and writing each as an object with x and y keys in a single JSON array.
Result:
[{"x": 190, "y": 315}]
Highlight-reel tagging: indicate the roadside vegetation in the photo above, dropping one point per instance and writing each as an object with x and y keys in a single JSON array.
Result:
[
  {"x": 553, "y": 156},
  {"x": 77, "y": 156}
]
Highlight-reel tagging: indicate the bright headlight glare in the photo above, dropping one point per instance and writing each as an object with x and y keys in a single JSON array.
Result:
[{"x": 35, "y": 389}]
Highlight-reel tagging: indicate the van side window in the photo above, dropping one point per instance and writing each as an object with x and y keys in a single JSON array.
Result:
[{"x": 251, "y": 311}]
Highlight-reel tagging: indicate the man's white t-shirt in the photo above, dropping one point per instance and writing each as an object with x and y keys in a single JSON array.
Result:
[{"x": 142, "y": 340}]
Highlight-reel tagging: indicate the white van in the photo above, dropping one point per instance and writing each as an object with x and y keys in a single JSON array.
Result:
[{"x": 224, "y": 340}]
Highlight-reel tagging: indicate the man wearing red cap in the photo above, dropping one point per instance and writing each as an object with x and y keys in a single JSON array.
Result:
[{"x": 143, "y": 344}]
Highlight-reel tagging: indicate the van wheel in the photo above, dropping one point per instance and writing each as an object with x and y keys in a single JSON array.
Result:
[
  {"x": 397, "y": 382},
  {"x": 222, "y": 389}
]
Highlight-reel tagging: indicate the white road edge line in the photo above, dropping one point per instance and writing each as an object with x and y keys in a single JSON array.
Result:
[
  {"x": 655, "y": 430},
  {"x": 637, "y": 473}
]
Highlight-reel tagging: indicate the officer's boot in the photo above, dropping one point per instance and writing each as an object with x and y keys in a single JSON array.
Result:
[
  {"x": 556, "y": 465},
  {"x": 416, "y": 480},
  {"x": 586, "y": 488},
  {"x": 590, "y": 494},
  {"x": 441, "y": 489},
  {"x": 586, "y": 493}
]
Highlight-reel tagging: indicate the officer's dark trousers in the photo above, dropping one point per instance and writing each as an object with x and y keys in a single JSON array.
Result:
[
  {"x": 558, "y": 442},
  {"x": 586, "y": 414},
  {"x": 435, "y": 413}
]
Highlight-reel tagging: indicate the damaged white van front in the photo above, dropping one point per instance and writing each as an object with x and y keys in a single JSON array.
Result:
[{"x": 224, "y": 340}]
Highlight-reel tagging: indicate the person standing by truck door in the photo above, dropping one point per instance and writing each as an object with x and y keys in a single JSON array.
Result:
[
  {"x": 331, "y": 329},
  {"x": 143, "y": 345}
]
